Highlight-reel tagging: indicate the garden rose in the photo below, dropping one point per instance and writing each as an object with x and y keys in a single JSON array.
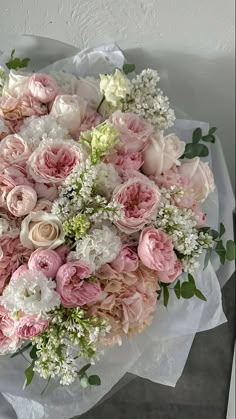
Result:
[
  {"x": 126, "y": 261},
  {"x": 9, "y": 178},
  {"x": 43, "y": 205},
  {"x": 124, "y": 161},
  {"x": 41, "y": 230},
  {"x": 70, "y": 111},
  {"x": 54, "y": 160},
  {"x": 21, "y": 200},
  {"x": 45, "y": 260},
  {"x": 171, "y": 274},
  {"x": 155, "y": 249},
  {"x": 63, "y": 251},
  {"x": 200, "y": 177},
  {"x": 46, "y": 191},
  {"x": 9, "y": 341},
  {"x": 43, "y": 87},
  {"x": 72, "y": 286},
  {"x": 134, "y": 132},
  {"x": 29, "y": 326},
  {"x": 171, "y": 177},
  {"x": 139, "y": 198},
  {"x": 14, "y": 150},
  {"x": 162, "y": 153}
]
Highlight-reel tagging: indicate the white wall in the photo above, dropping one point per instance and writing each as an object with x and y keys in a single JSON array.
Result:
[{"x": 191, "y": 42}]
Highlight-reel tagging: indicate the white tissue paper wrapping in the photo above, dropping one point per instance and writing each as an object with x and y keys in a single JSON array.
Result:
[{"x": 160, "y": 353}]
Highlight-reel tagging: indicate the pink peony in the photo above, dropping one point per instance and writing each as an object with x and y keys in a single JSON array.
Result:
[
  {"x": 53, "y": 161},
  {"x": 72, "y": 286},
  {"x": 171, "y": 274},
  {"x": 14, "y": 150},
  {"x": 9, "y": 178},
  {"x": 43, "y": 87},
  {"x": 21, "y": 200},
  {"x": 140, "y": 198},
  {"x": 46, "y": 261},
  {"x": 155, "y": 249},
  {"x": 126, "y": 261},
  {"x": 9, "y": 341},
  {"x": 19, "y": 271},
  {"x": 134, "y": 132},
  {"x": 29, "y": 326}
]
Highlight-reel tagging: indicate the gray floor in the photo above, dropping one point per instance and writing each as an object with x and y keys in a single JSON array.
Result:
[{"x": 201, "y": 393}]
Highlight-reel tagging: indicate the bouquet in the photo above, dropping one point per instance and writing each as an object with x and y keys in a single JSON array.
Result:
[{"x": 101, "y": 216}]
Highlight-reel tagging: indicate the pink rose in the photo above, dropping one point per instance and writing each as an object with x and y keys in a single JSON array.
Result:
[
  {"x": 9, "y": 341},
  {"x": 14, "y": 150},
  {"x": 30, "y": 106},
  {"x": 140, "y": 198},
  {"x": 54, "y": 160},
  {"x": 10, "y": 108},
  {"x": 162, "y": 153},
  {"x": 124, "y": 161},
  {"x": 171, "y": 177},
  {"x": 171, "y": 274},
  {"x": 91, "y": 119},
  {"x": 72, "y": 286},
  {"x": 126, "y": 261},
  {"x": 4, "y": 128},
  {"x": 134, "y": 132},
  {"x": 18, "y": 272},
  {"x": 63, "y": 251},
  {"x": 46, "y": 261},
  {"x": 9, "y": 178},
  {"x": 43, "y": 205},
  {"x": 200, "y": 176},
  {"x": 43, "y": 87},
  {"x": 200, "y": 216},
  {"x": 155, "y": 249},
  {"x": 21, "y": 200},
  {"x": 70, "y": 111},
  {"x": 46, "y": 191},
  {"x": 29, "y": 326}
]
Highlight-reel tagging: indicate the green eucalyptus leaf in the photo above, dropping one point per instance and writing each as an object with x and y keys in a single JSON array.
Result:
[
  {"x": 222, "y": 230},
  {"x": 214, "y": 234},
  {"x": 166, "y": 295},
  {"x": 94, "y": 380},
  {"x": 187, "y": 290},
  {"x": 191, "y": 280},
  {"x": 212, "y": 130},
  {"x": 128, "y": 68},
  {"x": 197, "y": 135},
  {"x": 200, "y": 295},
  {"x": 15, "y": 63},
  {"x": 195, "y": 150},
  {"x": 84, "y": 369},
  {"x": 204, "y": 229},
  {"x": 208, "y": 138},
  {"x": 177, "y": 289},
  {"x": 221, "y": 251},
  {"x": 29, "y": 375},
  {"x": 230, "y": 250},
  {"x": 33, "y": 352}
]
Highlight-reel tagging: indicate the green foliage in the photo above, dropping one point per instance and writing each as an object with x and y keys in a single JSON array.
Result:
[
  {"x": 230, "y": 250},
  {"x": 177, "y": 289},
  {"x": 186, "y": 290},
  {"x": 94, "y": 380},
  {"x": 29, "y": 375},
  {"x": 16, "y": 63},
  {"x": 195, "y": 149},
  {"x": 128, "y": 68},
  {"x": 225, "y": 252}
]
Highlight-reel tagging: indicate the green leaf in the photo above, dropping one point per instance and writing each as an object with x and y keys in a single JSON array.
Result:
[
  {"x": 166, "y": 295},
  {"x": 200, "y": 295},
  {"x": 94, "y": 380},
  {"x": 230, "y": 250},
  {"x": 204, "y": 229},
  {"x": 191, "y": 280},
  {"x": 15, "y": 63},
  {"x": 212, "y": 130},
  {"x": 209, "y": 138},
  {"x": 221, "y": 251},
  {"x": 128, "y": 68},
  {"x": 84, "y": 369},
  {"x": 207, "y": 258},
  {"x": 197, "y": 135},
  {"x": 195, "y": 150},
  {"x": 21, "y": 350},
  {"x": 222, "y": 230},
  {"x": 187, "y": 290},
  {"x": 84, "y": 381},
  {"x": 29, "y": 375},
  {"x": 177, "y": 289},
  {"x": 33, "y": 352},
  {"x": 214, "y": 234}
]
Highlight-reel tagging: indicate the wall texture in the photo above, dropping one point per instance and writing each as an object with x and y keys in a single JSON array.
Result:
[{"x": 190, "y": 42}]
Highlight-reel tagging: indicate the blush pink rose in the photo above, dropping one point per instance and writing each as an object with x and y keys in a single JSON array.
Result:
[
  {"x": 43, "y": 205},
  {"x": 63, "y": 251},
  {"x": 90, "y": 120},
  {"x": 9, "y": 178},
  {"x": 30, "y": 106},
  {"x": 43, "y": 87},
  {"x": 53, "y": 161},
  {"x": 29, "y": 326},
  {"x": 200, "y": 177},
  {"x": 46, "y": 191},
  {"x": 124, "y": 161},
  {"x": 72, "y": 286},
  {"x": 200, "y": 216},
  {"x": 171, "y": 274},
  {"x": 134, "y": 132},
  {"x": 14, "y": 150},
  {"x": 126, "y": 261},
  {"x": 9, "y": 341},
  {"x": 21, "y": 200},
  {"x": 171, "y": 177},
  {"x": 45, "y": 260},
  {"x": 140, "y": 199},
  {"x": 10, "y": 108},
  {"x": 69, "y": 110},
  {"x": 155, "y": 249},
  {"x": 19, "y": 271}
]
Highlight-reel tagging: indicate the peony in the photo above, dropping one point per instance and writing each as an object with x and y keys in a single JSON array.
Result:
[
  {"x": 14, "y": 150},
  {"x": 72, "y": 286},
  {"x": 9, "y": 341},
  {"x": 134, "y": 132},
  {"x": 54, "y": 160},
  {"x": 41, "y": 230},
  {"x": 115, "y": 87},
  {"x": 162, "y": 153},
  {"x": 43, "y": 87},
  {"x": 70, "y": 111},
  {"x": 140, "y": 198},
  {"x": 200, "y": 177},
  {"x": 29, "y": 326},
  {"x": 46, "y": 261},
  {"x": 171, "y": 274},
  {"x": 126, "y": 261},
  {"x": 155, "y": 249},
  {"x": 21, "y": 200}
]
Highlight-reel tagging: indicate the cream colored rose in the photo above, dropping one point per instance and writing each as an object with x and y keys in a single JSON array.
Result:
[
  {"x": 200, "y": 178},
  {"x": 41, "y": 230},
  {"x": 89, "y": 90},
  {"x": 162, "y": 153},
  {"x": 115, "y": 87},
  {"x": 70, "y": 111},
  {"x": 17, "y": 84}
]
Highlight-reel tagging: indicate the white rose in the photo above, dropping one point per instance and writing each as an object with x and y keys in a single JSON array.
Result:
[
  {"x": 70, "y": 111},
  {"x": 115, "y": 87},
  {"x": 40, "y": 229},
  {"x": 17, "y": 84},
  {"x": 200, "y": 178},
  {"x": 89, "y": 90},
  {"x": 162, "y": 153}
]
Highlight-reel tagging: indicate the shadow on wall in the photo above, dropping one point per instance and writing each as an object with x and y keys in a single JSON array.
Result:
[{"x": 203, "y": 87}]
